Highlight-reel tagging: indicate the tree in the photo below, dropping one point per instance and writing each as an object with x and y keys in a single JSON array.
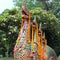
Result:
[
  {"x": 30, "y": 4},
  {"x": 54, "y": 7},
  {"x": 10, "y": 25},
  {"x": 10, "y": 22}
]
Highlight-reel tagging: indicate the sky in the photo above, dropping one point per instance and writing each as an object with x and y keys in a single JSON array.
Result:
[{"x": 5, "y": 4}]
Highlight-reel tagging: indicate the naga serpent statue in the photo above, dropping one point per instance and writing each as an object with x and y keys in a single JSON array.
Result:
[{"x": 31, "y": 43}]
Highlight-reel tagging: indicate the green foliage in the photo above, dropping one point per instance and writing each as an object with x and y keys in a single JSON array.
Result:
[
  {"x": 50, "y": 26},
  {"x": 1, "y": 18},
  {"x": 43, "y": 14},
  {"x": 6, "y": 58},
  {"x": 48, "y": 19},
  {"x": 9, "y": 27},
  {"x": 30, "y": 4},
  {"x": 10, "y": 22}
]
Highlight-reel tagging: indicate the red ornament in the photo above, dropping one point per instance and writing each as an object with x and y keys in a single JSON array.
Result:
[
  {"x": 39, "y": 32},
  {"x": 24, "y": 12},
  {"x": 34, "y": 25},
  {"x": 31, "y": 54},
  {"x": 43, "y": 40},
  {"x": 15, "y": 49}
]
